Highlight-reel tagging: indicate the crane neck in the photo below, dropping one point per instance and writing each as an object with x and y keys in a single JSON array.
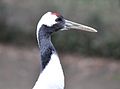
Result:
[
  {"x": 45, "y": 45},
  {"x": 50, "y": 62}
]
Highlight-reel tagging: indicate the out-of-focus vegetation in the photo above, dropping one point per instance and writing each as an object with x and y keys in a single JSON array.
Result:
[{"x": 18, "y": 20}]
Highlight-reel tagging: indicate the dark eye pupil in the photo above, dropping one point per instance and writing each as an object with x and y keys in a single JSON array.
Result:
[{"x": 59, "y": 19}]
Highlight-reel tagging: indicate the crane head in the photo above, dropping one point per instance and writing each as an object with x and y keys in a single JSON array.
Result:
[{"x": 56, "y": 22}]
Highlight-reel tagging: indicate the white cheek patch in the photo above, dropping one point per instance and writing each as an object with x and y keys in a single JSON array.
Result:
[{"x": 47, "y": 19}]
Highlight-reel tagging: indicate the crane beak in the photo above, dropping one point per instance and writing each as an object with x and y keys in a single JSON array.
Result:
[{"x": 72, "y": 25}]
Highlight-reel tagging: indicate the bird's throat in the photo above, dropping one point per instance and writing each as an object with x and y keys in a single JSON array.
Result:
[{"x": 46, "y": 47}]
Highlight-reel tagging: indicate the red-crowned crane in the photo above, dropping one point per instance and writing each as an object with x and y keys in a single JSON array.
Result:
[{"x": 52, "y": 76}]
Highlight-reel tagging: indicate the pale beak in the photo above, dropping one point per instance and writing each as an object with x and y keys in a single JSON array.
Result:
[{"x": 72, "y": 25}]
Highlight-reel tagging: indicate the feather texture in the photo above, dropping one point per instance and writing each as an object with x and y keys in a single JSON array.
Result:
[{"x": 52, "y": 76}]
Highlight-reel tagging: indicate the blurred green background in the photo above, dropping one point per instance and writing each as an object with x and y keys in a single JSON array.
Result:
[
  {"x": 18, "y": 20},
  {"x": 89, "y": 60}
]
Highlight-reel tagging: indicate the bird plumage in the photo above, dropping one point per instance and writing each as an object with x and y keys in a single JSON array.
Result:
[{"x": 52, "y": 76}]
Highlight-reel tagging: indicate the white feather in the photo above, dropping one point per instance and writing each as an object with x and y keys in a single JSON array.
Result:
[
  {"x": 52, "y": 76},
  {"x": 47, "y": 19}
]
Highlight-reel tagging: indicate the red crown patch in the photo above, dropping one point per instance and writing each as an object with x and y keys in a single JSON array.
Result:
[{"x": 55, "y": 13}]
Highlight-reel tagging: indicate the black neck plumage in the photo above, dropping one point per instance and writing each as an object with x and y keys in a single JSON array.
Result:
[{"x": 45, "y": 44}]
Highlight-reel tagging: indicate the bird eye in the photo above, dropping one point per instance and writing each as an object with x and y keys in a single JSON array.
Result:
[{"x": 59, "y": 19}]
